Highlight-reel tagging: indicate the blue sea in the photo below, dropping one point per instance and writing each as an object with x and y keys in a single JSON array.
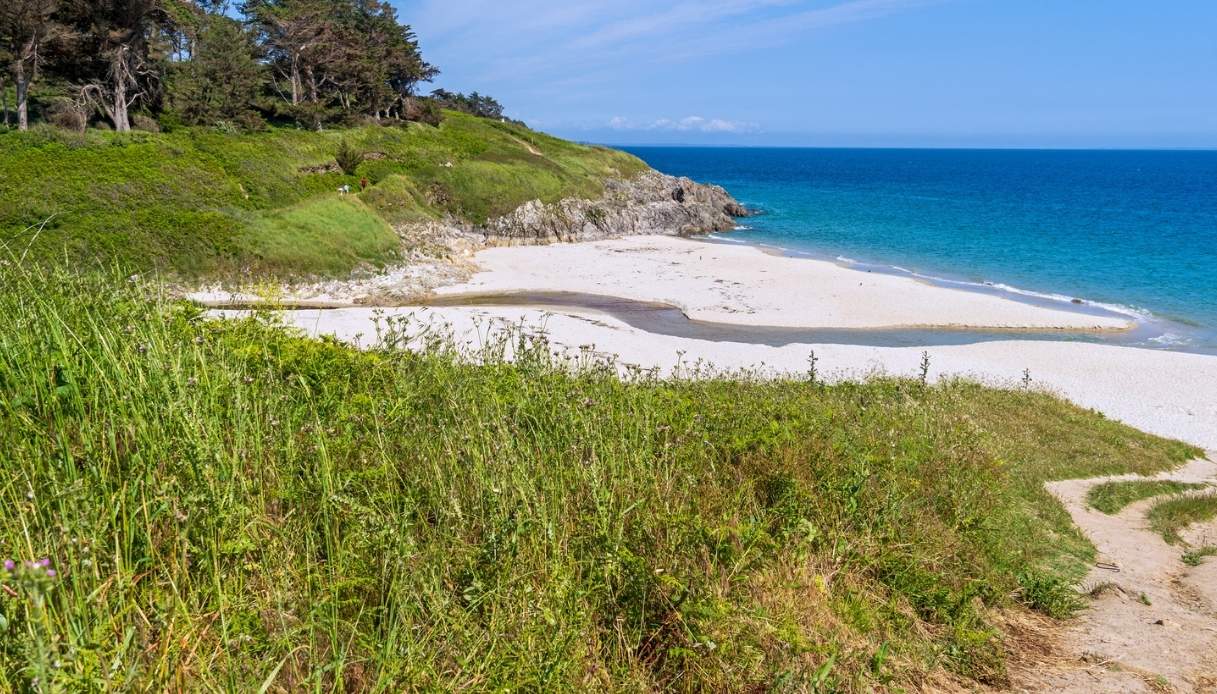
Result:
[{"x": 1129, "y": 231}]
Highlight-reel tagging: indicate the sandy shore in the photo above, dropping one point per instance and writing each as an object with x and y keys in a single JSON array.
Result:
[
  {"x": 745, "y": 285},
  {"x": 1168, "y": 393}
]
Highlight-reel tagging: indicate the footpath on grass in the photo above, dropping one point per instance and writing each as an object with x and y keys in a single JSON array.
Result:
[{"x": 1152, "y": 622}]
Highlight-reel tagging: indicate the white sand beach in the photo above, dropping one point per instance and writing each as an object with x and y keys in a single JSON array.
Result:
[
  {"x": 742, "y": 284},
  {"x": 1168, "y": 393}
]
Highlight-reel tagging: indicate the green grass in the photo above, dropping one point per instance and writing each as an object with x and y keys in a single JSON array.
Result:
[
  {"x": 1168, "y": 518},
  {"x": 330, "y": 235},
  {"x": 199, "y": 203},
  {"x": 1197, "y": 557},
  {"x": 228, "y": 505},
  {"x": 1113, "y": 497}
]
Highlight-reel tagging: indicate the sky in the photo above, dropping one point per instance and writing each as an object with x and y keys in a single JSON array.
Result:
[{"x": 900, "y": 73}]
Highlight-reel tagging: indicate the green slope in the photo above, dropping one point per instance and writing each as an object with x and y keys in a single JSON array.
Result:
[
  {"x": 228, "y": 505},
  {"x": 198, "y": 202}
]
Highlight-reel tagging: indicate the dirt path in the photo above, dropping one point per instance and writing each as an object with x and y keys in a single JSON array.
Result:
[{"x": 1152, "y": 625}]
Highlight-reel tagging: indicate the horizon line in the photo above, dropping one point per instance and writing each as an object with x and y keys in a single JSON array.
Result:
[{"x": 991, "y": 148}]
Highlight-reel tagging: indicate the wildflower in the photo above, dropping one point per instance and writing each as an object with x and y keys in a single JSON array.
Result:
[
  {"x": 44, "y": 563},
  {"x": 248, "y": 380},
  {"x": 9, "y": 565},
  {"x": 50, "y": 573}
]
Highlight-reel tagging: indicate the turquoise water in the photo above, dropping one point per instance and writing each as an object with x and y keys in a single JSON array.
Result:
[{"x": 1132, "y": 231}]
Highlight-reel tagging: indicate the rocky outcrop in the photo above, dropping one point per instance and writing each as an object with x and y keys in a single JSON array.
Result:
[
  {"x": 652, "y": 203},
  {"x": 436, "y": 253}
]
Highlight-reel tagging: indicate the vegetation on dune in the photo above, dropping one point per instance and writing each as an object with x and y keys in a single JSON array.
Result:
[
  {"x": 227, "y": 506},
  {"x": 1196, "y": 557},
  {"x": 1113, "y": 497},
  {"x": 198, "y": 202},
  {"x": 1170, "y": 517}
]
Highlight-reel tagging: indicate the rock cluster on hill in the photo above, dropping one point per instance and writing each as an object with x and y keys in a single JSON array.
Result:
[{"x": 653, "y": 203}]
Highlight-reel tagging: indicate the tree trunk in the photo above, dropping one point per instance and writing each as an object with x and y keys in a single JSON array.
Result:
[
  {"x": 312, "y": 85},
  {"x": 23, "y": 91},
  {"x": 119, "y": 76},
  {"x": 4, "y": 99},
  {"x": 122, "y": 121},
  {"x": 295, "y": 82}
]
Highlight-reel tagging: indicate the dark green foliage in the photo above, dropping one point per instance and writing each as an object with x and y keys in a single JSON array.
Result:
[
  {"x": 315, "y": 62},
  {"x": 229, "y": 506},
  {"x": 348, "y": 158},
  {"x": 222, "y": 81},
  {"x": 474, "y": 104},
  {"x": 337, "y": 58}
]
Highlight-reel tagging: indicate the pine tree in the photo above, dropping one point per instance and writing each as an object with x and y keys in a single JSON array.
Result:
[{"x": 221, "y": 79}]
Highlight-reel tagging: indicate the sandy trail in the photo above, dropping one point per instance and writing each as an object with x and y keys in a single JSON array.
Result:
[{"x": 1120, "y": 643}]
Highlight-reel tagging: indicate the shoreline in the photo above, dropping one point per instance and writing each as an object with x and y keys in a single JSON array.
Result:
[
  {"x": 755, "y": 285},
  {"x": 1165, "y": 392},
  {"x": 1160, "y": 331}
]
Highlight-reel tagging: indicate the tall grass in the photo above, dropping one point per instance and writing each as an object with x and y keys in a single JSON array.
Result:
[
  {"x": 228, "y": 506},
  {"x": 1169, "y": 518},
  {"x": 1113, "y": 497}
]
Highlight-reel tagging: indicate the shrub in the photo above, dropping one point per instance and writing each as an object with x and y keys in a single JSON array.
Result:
[
  {"x": 424, "y": 111},
  {"x": 68, "y": 115},
  {"x": 348, "y": 158},
  {"x": 145, "y": 123}
]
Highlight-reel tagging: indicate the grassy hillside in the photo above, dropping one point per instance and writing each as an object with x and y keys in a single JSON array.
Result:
[
  {"x": 198, "y": 202},
  {"x": 227, "y": 507}
]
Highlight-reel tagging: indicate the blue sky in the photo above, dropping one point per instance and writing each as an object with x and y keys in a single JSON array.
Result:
[{"x": 993, "y": 73}]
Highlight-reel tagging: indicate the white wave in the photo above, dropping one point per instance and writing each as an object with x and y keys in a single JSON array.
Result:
[
  {"x": 1171, "y": 340},
  {"x": 1119, "y": 309},
  {"x": 725, "y": 239}
]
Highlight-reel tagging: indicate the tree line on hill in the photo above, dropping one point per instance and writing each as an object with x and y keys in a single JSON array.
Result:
[{"x": 144, "y": 63}]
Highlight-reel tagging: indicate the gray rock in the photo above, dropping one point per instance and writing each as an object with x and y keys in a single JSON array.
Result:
[{"x": 652, "y": 203}]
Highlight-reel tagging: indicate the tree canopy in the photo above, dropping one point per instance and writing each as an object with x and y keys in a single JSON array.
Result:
[{"x": 207, "y": 62}]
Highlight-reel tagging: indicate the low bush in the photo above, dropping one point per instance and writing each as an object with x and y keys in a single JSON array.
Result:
[{"x": 348, "y": 158}]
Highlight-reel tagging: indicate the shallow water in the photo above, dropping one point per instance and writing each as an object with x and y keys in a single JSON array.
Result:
[
  {"x": 1135, "y": 232},
  {"x": 664, "y": 319}
]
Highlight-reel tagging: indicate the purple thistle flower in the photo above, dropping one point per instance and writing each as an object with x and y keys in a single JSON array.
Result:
[
  {"x": 9, "y": 564},
  {"x": 50, "y": 573},
  {"x": 44, "y": 563}
]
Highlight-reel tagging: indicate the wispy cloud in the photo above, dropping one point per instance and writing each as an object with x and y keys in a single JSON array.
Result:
[
  {"x": 537, "y": 49},
  {"x": 695, "y": 124}
]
